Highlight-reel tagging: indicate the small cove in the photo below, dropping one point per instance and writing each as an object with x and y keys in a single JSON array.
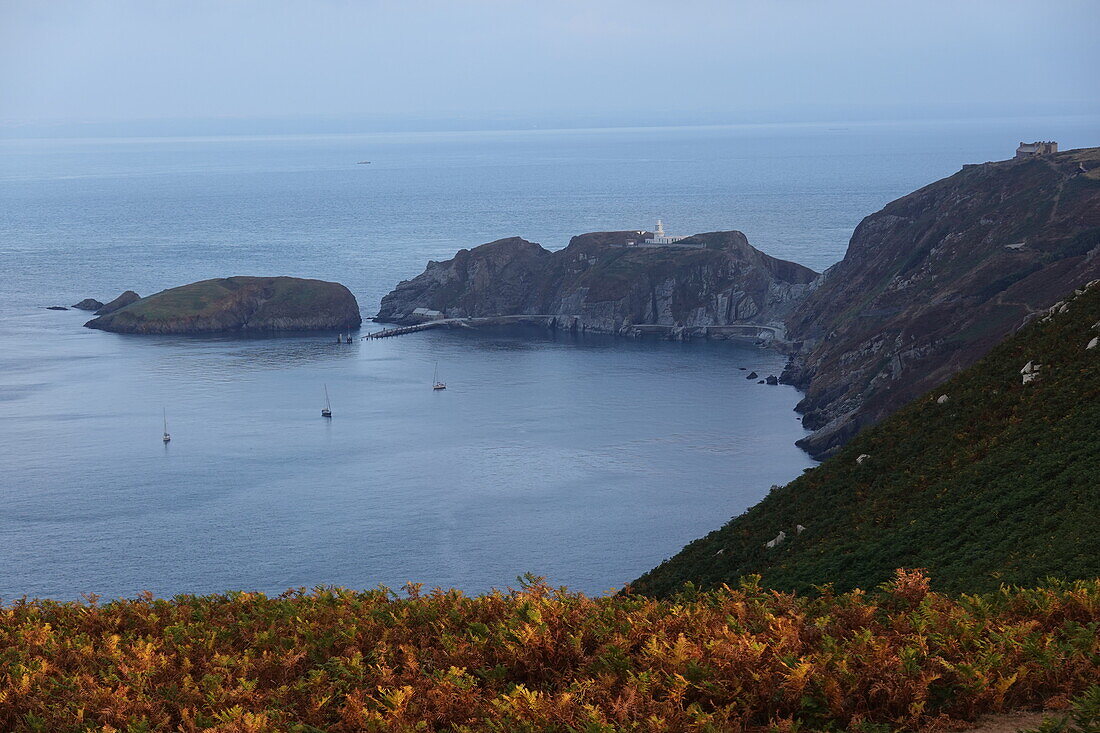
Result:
[{"x": 587, "y": 460}]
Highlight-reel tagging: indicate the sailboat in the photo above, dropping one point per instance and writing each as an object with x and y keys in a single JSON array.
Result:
[
  {"x": 436, "y": 384},
  {"x": 166, "y": 437},
  {"x": 326, "y": 411}
]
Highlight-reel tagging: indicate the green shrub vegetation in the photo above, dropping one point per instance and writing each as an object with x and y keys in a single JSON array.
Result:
[
  {"x": 538, "y": 659},
  {"x": 999, "y": 484}
]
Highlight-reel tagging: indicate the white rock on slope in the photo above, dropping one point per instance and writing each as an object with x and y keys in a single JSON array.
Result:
[{"x": 1030, "y": 372}]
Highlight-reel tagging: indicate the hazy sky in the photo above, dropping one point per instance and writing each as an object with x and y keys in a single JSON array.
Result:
[{"x": 91, "y": 60}]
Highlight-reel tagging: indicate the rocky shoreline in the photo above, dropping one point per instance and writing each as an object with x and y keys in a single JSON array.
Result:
[
  {"x": 928, "y": 285},
  {"x": 708, "y": 285},
  {"x": 936, "y": 279}
]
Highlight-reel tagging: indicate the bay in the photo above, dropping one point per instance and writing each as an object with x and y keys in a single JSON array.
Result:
[{"x": 587, "y": 460}]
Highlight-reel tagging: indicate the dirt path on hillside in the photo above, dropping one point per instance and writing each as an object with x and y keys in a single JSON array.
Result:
[{"x": 1010, "y": 722}]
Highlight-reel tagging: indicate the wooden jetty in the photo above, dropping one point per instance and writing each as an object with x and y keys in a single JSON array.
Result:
[
  {"x": 459, "y": 323},
  {"x": 402, "y": 330}
]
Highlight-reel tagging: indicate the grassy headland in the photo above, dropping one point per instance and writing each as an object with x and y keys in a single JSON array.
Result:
[{"x": 984, "y": 480}]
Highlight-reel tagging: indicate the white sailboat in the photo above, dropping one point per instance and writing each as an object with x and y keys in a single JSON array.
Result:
[
  {"x": 166, "y": 437},
  {"x": 436, "y": 384},
  {"x": 326, "y": 411}
]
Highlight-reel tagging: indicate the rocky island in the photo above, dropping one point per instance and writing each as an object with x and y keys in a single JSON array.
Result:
[
  {"x": 928, "y": 285},
  {"x": 238, "y": 304},
  {"x": 611, "y": 282}
]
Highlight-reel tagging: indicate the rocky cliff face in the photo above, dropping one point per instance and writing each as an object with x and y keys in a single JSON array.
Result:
[
  {"x": 935, "y": 279},
  {"x": 252, "y": 304},
  {"x": 498, "y": 278},
  {"x": 928, "y": 285},
  {"x": 600, "y": 284}
]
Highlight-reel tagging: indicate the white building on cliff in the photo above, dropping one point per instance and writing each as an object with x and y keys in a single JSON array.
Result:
[{"x": 659, "y": 237}]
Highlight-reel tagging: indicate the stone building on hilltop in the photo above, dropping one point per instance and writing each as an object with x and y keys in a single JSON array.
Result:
[{"x": 1028, "y": 150}]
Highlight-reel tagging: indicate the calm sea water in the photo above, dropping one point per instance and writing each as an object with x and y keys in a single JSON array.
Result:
[{"x": 585, "y": 460}]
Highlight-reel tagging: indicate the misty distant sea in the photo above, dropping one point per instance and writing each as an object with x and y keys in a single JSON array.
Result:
[{"x": 586, "y": 460}]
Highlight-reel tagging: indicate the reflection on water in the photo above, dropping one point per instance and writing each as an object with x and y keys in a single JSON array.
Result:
[
  {"x": 545, "y": 454},
  {"x": 584, "y": 458},
  {"x": 221, "y": 357}
]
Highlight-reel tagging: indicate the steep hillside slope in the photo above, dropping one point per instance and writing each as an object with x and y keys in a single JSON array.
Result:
[
  {"x": 985, "y": 480},
  {"x": 932, "y": 281},
  {"x": 712, "y": 279}
]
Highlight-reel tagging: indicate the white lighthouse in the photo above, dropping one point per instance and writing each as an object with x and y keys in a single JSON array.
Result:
[{"x": 659, "y": 237}]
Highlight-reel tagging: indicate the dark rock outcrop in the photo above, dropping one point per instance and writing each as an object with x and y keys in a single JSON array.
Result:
[
  {"x": 56, "y": 308},
  {"x": 88, "y": 304},
  {"x": 244, "y": 304},
  {"x": 597, "y": 283},
  {"x": 934, "y": 280},
  {"x": 121, "y": 301}
]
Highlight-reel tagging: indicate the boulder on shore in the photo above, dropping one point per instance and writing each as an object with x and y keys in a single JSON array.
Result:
[
  {"x": 121, "y": 301},
  {"x": 88, "y": 304},
  {"x": 244, "y": 304}
]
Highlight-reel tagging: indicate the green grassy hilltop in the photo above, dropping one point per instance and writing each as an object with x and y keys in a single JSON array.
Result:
[
  {"x": 999, "y": 483},
  {"x": 254, "y": 304}
]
